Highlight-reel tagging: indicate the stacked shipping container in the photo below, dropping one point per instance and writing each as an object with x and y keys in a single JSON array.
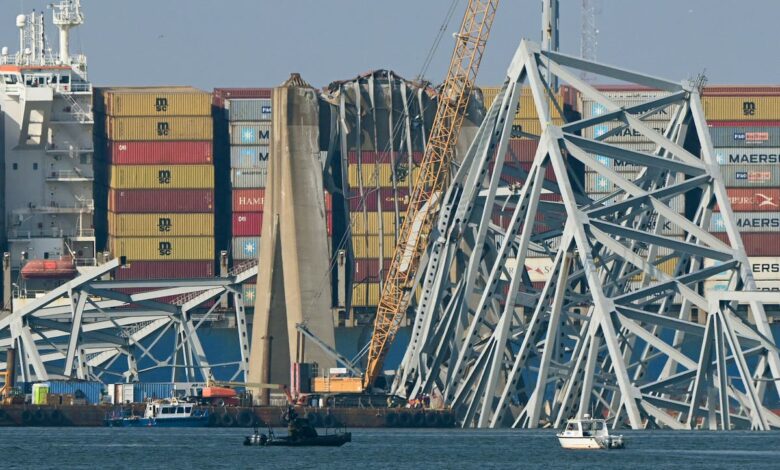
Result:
[
  {"x": 745, "y": 130},
  {"x": 520, "y": 155},
  {"x": 244, "y": 115},
  {"x": 156, "y": 153},
  {"x": 379, "y": 184}
]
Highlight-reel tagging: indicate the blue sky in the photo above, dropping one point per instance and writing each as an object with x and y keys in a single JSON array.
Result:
[{"x": 209, "y": 43}]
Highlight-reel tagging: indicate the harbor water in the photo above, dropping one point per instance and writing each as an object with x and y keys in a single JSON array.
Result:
[{"x": 377, "y": 449}]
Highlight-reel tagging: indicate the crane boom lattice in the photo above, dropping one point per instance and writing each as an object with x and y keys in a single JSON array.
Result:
[{"x": 434, "y": 172}]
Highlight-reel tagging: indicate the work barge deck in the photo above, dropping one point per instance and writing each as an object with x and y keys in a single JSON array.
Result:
[{"x": 259, "y": 416}]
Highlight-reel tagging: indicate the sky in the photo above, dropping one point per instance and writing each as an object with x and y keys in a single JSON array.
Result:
[{"x": 257, "y": 43}]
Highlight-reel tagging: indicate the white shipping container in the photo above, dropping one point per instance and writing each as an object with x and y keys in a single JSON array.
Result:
[
  {"x": 747, "y": 156},
  {"x": 625, "y": 135},
  {"x": 677, "y": 203},
  {"x": 751, "y": 176},
  {"x": 538, "y": 269},
  {"x": 248, "y": 178},
  {"x": 723, "y": 285},
  {"x": 765, "y": 268},
  {"x": 250, "y": 134},
  {"x": 590, "y": 108},
  {"x": 636, "y": 285},
  {"x": 748, "y": 222},
  {"x": 249, "y": 156},
  {"x": 596, "y": 183}
]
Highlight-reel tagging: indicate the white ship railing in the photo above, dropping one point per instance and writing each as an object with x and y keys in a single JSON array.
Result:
[
  {"x": 68, "y": 174},
  {"x": 16, "y": 234}
]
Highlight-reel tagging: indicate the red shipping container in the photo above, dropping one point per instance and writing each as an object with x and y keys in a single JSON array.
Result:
[
  {"x": 160, "y": 200},
  {"x": 387, "y": 196},
  {"x": 743, "y": 124},
  {"x": 160, "y": 153},
  {"x": 367, "y": 269},
  {"x": 757, "y": 244},
  {"x": 170, "y": 299},
  {"x": 222, "y": 94},
  {"x": 754, "y": 199},
  {"x": 367, "y": 157},
  {"x": 247, "y": 224},
  {"x": 512, "y": 172},
  {"x": 741, "y": 90},
  {"x": 521, "y": 150},
  {"x": 165, "y": 270},
  {"x": 248, "y": 200},
  {"x": 328, "y": 201}
]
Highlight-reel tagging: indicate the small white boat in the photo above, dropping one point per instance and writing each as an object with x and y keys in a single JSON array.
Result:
[
  {"x": 164, "y": 413},
  {"x": 588, "y": 433}
]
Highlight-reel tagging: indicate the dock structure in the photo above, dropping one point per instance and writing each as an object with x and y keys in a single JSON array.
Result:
[{"x": 622, "y": 326}]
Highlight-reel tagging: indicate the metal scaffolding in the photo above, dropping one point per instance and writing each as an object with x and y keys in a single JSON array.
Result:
[
  {"x": 84, "y": 327},
  {"x": 613, "y": 330}
]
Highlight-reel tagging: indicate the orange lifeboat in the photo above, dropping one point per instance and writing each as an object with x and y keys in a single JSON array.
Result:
[{"x": 49, "y": 269}]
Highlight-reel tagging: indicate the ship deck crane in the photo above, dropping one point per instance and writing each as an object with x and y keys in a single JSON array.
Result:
[{"x": 470, "y": 44}]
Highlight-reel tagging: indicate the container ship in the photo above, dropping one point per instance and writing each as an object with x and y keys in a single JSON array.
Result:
[
  {"x": 173, "y": 180},
  {"x": 47, "y": 181}
]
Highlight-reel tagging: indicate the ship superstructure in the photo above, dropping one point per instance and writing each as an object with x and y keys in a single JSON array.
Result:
[{"x": 46, "y": 104}]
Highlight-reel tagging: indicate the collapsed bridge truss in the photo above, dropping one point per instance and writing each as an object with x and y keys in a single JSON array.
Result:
[
  {"x": 96, "y": 329},
  {"x": 613, "y": 331}
]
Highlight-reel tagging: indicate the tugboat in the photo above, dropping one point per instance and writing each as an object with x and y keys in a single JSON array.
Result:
[
  {"x": 588, "y": 433},
  {"x": 299, "y": 434},
  {"x": 164, "y": 413}
]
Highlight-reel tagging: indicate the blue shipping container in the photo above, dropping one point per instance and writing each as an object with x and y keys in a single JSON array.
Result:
[
  {"x": 151, "y": 391},
  {"x": 248, "y": 156},
  {"x": 246, "y": 247},
  {"x": 249, "y": 109},
  {"x": 90, "y": 391},
  {"x": 745, "y": 136}
]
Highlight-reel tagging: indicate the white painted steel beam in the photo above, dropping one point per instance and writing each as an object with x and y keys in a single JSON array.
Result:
[
  {"x": 74, "y": 332},
  {"x": 610, "y": 329}
]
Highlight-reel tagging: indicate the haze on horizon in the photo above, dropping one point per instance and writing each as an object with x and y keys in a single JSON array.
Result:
[{"x": 251, "y": 43}]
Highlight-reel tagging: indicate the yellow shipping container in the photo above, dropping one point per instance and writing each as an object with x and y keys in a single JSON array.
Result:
[
  {"x": 380, "y": 174},
  {"x": 154, "y": 101},
  {"x": 155, "y": 225},
  {"x": 367, "y": 246},
  {"x": 162, "y": 177},
  {"x": 365, "y": 295},
  {"x": 159, "y": 128},
  {"x": 369, "y": 222},
  {"x": 667, "y": 267},
  {"x": 163, "y": 248},
  {"x": 745, "y": 108},
  {"x": 526, "y": 108},
  {"x": 530, "y": 126}
]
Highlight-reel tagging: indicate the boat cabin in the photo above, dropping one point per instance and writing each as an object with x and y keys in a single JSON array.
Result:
[
  {"x": 168, "y": 410},
  {"x": 586, "y": 427}
]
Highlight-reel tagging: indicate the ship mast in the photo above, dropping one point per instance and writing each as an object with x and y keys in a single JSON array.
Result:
[{"x": 67, "y": 14}]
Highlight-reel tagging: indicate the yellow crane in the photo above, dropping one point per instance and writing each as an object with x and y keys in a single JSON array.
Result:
[{"x": 433, "y": 178}]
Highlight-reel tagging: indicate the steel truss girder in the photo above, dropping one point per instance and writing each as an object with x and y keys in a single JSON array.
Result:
[
  {"x": 81, "y": 328},
  {"x": 611, "y": 330}
]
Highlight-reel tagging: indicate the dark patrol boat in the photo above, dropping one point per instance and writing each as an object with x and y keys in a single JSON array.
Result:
[{"x": 300, "y": 433}]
